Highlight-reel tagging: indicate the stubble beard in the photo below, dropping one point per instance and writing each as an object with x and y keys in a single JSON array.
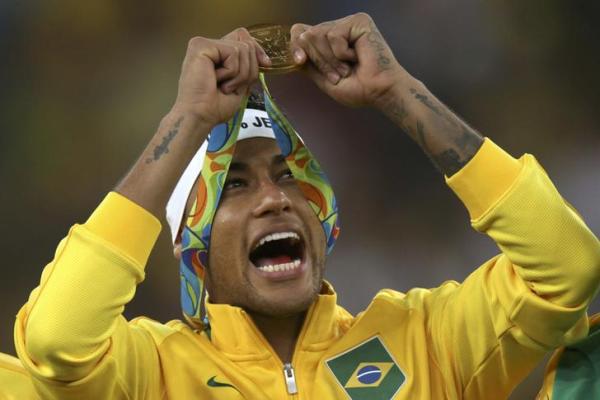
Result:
[{"x": 249, "y": 298}]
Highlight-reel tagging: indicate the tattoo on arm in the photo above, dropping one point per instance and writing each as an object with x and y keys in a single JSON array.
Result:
[
  {"x": 425, "y": 100},
  {"x": 377, "y": 42},
  {"x": 448, "y": 141},
  {"x": 163, "y": 147},
  {"x": 458, "y": 151}
]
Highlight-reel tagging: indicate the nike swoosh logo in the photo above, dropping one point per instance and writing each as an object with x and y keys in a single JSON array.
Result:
[{"x": 213, "y": 383}]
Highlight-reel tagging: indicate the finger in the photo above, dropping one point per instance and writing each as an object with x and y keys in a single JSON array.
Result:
[
  {"x": 340, "y": 46},
  {"x": 323, "y": 47},
  {"x": 313, "y": 45},
  {"x": 254, "y": 60},
  {"x": 318, "y": 78},
  {"x": 230, "y": 65},
  {"x": 242, "y": 34},
  {"x": 261, "y": 55},
  {"x": 223, "y": 56},
  {"x": 298, "y": 51},
  {"x": 224, "y": 74},
  {"x": 243, "y": 71},
  {"x": 233, "y": 35}
]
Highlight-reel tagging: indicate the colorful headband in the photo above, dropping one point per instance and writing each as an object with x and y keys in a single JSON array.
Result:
[
  {"x": 256, "y": 123},
  {"x": 219, "y": 150}
]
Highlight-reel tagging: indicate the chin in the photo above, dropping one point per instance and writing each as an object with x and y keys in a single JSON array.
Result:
[
  {"x": 278, "y": 310},
  {"x": 285, "y": 304}
]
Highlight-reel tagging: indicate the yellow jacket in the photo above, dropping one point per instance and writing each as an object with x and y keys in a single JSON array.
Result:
[
  {"x": 15, "y": 383},
  {"x": 474, "y": 340}
]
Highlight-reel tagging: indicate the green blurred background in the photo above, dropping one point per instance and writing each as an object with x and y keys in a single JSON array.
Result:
[{"x": 84, "y": 85}]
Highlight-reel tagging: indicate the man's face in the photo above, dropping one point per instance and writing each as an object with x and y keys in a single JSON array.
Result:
[{"x": 267, "y": 249}]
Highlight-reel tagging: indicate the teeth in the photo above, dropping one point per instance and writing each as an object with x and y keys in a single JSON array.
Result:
[
  {"x": 281, "y": 267},
  {"x": 277, "y": 236}
]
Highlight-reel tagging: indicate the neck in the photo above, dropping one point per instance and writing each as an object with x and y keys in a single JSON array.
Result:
[{"x": 281, "y": 332}]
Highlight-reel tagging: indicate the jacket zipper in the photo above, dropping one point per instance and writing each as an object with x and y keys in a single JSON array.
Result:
[
  {"x": 288, "y": 369},
  {"x": 290, "y": 378}
]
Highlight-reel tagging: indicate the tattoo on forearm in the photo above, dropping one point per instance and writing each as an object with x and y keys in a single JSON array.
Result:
[
  {"x": 460, "y": 149},
  {"x": 452, "y": 145},
  {"x": 425, "y": 100},
  {"x": 163, "y": 147},
  {"x": 448, "y": 162},
  {"x": 377, "y": 42},
  {"x": 452, "y": 159}
]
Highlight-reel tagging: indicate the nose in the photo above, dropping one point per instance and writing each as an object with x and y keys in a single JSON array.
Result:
[{"x": 272, "y": 199}]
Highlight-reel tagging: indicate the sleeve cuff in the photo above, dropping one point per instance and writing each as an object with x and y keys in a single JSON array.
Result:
[
  {"x": 126, "y": 225},
  {"x": 485, "y": 178}
]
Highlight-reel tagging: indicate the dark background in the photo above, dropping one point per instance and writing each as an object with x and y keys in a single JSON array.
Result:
[{"x": 84, "y": 85}]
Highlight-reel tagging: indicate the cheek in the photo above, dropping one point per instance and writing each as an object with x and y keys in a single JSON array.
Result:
[
  {"x": 314, "y": 225},
  {"x": 227, "y": 235}
]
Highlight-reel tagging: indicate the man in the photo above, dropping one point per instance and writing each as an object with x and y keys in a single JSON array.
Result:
[{"x": 274, "y": 330}]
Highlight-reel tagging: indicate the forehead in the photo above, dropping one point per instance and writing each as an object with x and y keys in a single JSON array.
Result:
[{"x": 255, "y": 150}]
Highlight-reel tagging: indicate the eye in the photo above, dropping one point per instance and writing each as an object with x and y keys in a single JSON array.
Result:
[
  {"x": 286, "y": 175},
  {"x": 234, "y": 183}
]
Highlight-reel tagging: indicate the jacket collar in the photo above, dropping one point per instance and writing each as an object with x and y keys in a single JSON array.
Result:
[{"x": 234, "y": 333}]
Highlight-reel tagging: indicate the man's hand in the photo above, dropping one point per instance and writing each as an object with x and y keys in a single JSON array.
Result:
[
  {"x": 348, "y": 59},
  {"x": 216, "y": 74}
]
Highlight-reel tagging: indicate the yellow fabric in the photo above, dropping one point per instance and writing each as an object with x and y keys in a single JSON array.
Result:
[
  {"x": 546, "y": 391},
  {"x": 474, "y": 340},
  {"x": 15, "y": 383},
  {"x": 144, "y": 230},
  {"x": 485, "y": 178},
  {"x": 542, "y": 218}
]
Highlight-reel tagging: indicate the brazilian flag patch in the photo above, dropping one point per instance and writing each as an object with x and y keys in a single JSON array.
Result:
[{"x": 367, "y": 371}]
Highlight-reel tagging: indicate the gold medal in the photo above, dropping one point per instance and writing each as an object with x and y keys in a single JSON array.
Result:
[{"x": 275, "y": 40}]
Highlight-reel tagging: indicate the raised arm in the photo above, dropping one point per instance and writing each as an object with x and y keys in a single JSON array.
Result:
[
  {"x": 490, "y": 331},
  {"x": 71, "y": 335},
  {"x": 350, "y": 61}
]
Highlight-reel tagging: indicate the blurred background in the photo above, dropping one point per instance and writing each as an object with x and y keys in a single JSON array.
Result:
[{"x": 84, "y": 85}]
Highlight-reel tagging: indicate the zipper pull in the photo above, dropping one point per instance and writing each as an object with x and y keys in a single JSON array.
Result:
[{"x": 290, "y": 378}]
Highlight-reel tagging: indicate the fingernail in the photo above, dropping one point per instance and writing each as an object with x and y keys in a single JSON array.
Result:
[
  {"x": 266, "y": 59},
  {"x": 334, "y": 77},
  {"x": 298, "y": 56}
]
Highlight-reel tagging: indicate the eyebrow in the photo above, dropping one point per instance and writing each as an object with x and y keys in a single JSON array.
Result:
[{"x": 242, "y": 166}]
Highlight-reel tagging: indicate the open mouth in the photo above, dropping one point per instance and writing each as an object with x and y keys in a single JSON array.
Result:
[{"x": 280, "y": 251}]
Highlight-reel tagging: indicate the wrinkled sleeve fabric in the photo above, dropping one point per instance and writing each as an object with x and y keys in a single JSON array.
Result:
[
  {"x": 490, "y": 331},
  {"x": 71, "y": 335}
]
